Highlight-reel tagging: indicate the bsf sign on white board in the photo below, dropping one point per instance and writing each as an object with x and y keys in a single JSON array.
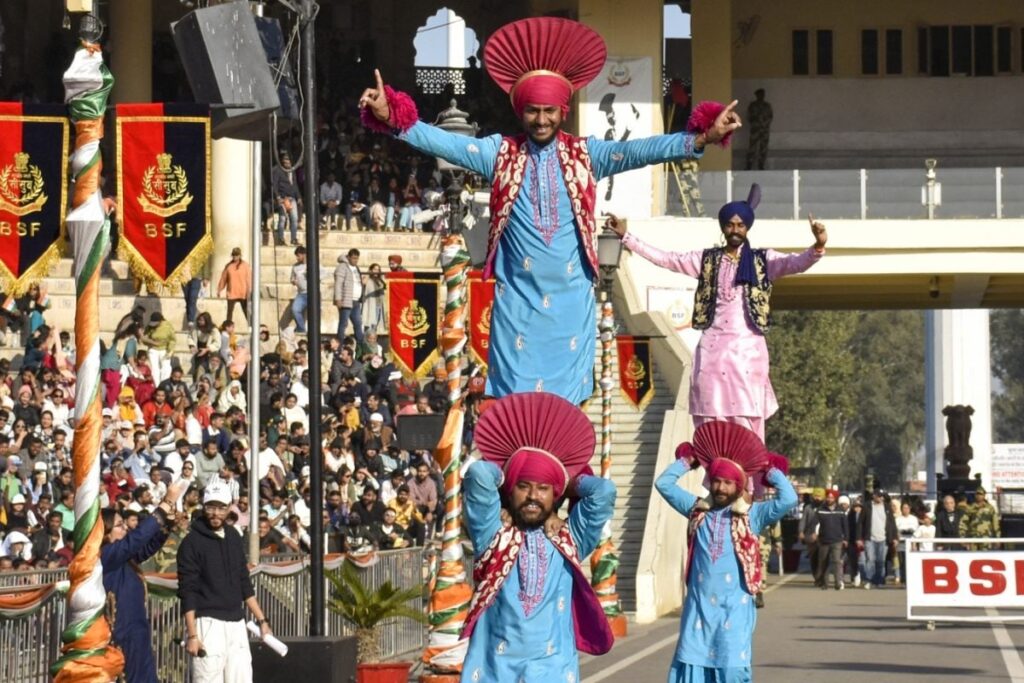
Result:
[{"x": 965, "y": 579}]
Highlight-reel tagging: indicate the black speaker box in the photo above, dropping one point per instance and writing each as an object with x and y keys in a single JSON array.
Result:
[
  {"x": 224, "y": 60},
  {"x": 324, "y": 660},
  {"x": 419, "y": 432}
]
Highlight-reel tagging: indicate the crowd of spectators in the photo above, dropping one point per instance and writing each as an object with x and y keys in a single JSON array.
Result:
[{"x": 169, "y": 417}]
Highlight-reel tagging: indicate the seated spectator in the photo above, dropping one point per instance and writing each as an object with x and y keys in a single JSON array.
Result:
[
  {"x": 369, "y": 509},
  {"x": 52, "y": 537},
  {"x": 407, "y": 514},
  {"x": 436, "y": 391},
  {"x": 391, "y": 535}
]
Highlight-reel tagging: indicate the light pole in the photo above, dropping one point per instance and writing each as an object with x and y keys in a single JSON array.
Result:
[
  {"x": 449, "y": 600},
  {"x": 604, "y": 562}
]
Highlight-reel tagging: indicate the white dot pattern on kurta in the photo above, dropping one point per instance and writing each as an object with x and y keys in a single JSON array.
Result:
[
  {"x": 546, "y": 301},
  {"x": 561, "y": 604},
  {"x": 472, "y": 149},
  {"x": 501, "y": 648},
  {"x": 527, "y": 263},
  {"x": 520, "y": 342},
  {"x": 572, "y": 344}
]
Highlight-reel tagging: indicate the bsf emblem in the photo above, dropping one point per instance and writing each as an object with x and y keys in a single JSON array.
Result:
[
  {"x": 484, "y": 326},
  {"x": 21, "y": 186},
  {"x": 635, "y": 370},
  {"x": 164, "y": 188},
  {"x": 413, "y": 320}
]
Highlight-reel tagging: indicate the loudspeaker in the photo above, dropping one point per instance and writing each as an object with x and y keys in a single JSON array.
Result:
[
  {"x": 419, "y": 432},
  {"x": 281, "y": 70},
  {"x": 325, "y": 660},
  {"x": 223, "y": 56}
]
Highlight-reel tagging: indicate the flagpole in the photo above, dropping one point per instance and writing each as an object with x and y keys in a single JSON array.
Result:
[
  {"x": 604, "y": 562},
  {"x": 87, "y": 653}
]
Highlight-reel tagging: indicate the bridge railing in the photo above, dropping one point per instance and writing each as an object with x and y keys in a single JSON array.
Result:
[
  {"x": 865, "y": 193},
  {"x": 30, "y": 636}
]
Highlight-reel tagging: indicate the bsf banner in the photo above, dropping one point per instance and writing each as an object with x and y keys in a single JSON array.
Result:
[
  {"x": 954, "y": 578},
  {"x": 163, "y": 190},
  {"x": 414, "y": 320},
  {"x": 635, "y": 370},
  {"x": 33, "y": 191},
  {"x": 481, "y": 301}
]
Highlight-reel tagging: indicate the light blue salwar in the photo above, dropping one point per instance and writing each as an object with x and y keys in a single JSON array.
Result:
[
  {"x": 507, "y": 645},
  {"x": 719, "y": 616},
  {"x": 543, "y": 325}
]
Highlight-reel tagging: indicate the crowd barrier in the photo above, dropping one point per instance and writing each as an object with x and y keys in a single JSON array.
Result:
[{"x": 33, "y": 612}]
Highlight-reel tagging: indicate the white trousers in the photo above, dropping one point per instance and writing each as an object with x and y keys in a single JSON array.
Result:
[
  {"x": 159, "y": 364},
  {"x": 228, "y": 659}
]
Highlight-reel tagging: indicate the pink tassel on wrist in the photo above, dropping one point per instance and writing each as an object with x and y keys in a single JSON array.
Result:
[
  {"x": 403, "y": 113},
  {"x": 702, "y": 119}
]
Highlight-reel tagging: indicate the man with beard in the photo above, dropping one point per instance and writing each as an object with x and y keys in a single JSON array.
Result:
[
  {"x": 531, "y": 603},
  {"x": 732, "y": 307},
  {"x": 543, "y": 232},
  {"x": 723, "y": 576}
]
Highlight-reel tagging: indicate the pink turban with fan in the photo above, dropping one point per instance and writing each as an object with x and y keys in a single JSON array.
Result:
[
  {"x": 724, "y": 468},
  {"x": 536, "y": 465},
  {"x": 544, "y": 60}
]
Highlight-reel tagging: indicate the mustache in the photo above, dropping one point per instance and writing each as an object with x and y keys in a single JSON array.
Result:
[{"x": 530, "y": 501}]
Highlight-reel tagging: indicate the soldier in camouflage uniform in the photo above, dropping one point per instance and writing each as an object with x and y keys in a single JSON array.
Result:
[
  {"x": 759, "y": 116},
  {"x": 981, "y": 520},
  {"x": 771, "y": 540}
]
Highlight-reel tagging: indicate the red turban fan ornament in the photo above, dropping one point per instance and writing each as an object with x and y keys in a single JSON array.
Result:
[
  {"x": 544, "y": 60},
  {"x": 729, "y": 451},
  {"x": 536, "y": 437}
]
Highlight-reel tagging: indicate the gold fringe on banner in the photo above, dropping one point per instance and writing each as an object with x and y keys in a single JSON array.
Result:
[{"x": 140, "y": 268}]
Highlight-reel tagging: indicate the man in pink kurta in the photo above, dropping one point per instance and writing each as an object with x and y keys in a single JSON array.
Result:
[{"x": 730, "y": 370}]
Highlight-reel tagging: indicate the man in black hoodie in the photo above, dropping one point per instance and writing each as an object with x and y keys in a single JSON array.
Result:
[
  {"x": 832, "y": 531},
  {"x": 213, "y": 584}
]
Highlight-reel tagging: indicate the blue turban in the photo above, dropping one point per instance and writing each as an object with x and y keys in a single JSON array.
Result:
[{"x": 745, "y": 274}]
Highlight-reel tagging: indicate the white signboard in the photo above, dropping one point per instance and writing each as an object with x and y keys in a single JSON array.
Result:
[
  {"x": 965, "y": 579},
  {"x": 1008, "y": 465},
  {"x": 618, "y": 106}
]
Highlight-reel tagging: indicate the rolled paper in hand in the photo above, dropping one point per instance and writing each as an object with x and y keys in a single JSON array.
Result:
[{"x": 270, "y": 641}]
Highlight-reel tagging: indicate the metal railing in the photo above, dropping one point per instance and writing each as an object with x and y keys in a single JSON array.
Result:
[
  {"x": 866, "y": 193},
  {"x": 30, "y": 644}
]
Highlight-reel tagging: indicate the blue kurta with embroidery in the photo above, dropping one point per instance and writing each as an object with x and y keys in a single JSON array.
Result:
[
  {"x": 527, "y": 633},
  {"x": 543, "y": 324},
  {"x": 718, "y": 615}
]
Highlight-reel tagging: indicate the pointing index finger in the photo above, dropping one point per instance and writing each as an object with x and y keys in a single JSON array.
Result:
[
  {"x": 810, "y": 218},
  {"x": 380, "y": 81}
]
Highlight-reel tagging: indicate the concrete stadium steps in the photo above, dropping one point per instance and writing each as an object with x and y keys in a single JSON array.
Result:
[
  {"x": 636, "y": 436},
  {"x": 420, "y": 251}
]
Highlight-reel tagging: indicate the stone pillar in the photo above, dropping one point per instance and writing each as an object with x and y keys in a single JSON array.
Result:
[
  {"x": 232, "y": 205},
  {"x": 131, "y": 32},
  {"x": 711, "y": 24},
  {"x": 958, "y": 370}
]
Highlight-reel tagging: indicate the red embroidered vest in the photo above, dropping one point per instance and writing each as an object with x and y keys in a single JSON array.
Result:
[
  {"x": 745, "y": 542},
  {"x": 509, "y": 170},
  {"x": 593, "y": 634}
]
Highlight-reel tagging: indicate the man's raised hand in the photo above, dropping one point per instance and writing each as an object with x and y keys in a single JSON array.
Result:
[
  {"x": 376, "y": 100},
  {"x": 818, "y": 229},
  {"x": 726, "y": 122}
]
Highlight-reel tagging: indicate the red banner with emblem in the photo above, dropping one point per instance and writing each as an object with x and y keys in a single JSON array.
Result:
[
  {"x": 164, "y": 190},
  {"x": 33, "y": 191},
  {"x": 414, "y": 321},
  {"x": 481, "y": 301},
  {"x": 636, "y": 369}
]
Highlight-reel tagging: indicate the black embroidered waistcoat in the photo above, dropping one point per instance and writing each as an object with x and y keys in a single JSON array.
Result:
[{"x": 756, "y": 298}]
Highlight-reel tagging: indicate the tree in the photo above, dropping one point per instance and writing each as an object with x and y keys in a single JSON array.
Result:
[
  {"x": 1007, "y": 339},
  {"x": 850, "y": 387}
]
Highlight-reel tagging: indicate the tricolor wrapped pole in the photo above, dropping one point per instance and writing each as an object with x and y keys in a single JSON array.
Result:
[
  {"x": 450, "y": 594},
  {"x": 87, "y": 654},
  {"x": 604, "y": 562}
]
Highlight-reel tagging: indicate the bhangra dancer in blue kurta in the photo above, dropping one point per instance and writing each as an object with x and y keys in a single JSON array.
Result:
[
  {"x": 542, "y": 239},
  {"x": 724, "y": 572},
  {"x": 532, "y": 607}
]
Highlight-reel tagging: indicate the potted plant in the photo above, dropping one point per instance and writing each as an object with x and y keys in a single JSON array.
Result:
[{"x": 367, "y": 610}]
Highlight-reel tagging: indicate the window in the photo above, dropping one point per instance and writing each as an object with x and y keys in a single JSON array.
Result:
[
  {"x": 893, "y": 52},
  {"x": 801, "y": 53},
  {"x": 962, "y": 50},
  {"x": 984, "y": 50},
  {"x": 824, "y": 61},
  {"x": 938, "y": 50},
  {"x": 869, "y": 52},
  {"x": 1003, "y": 64},
  {"x": 922, "y": 50}
]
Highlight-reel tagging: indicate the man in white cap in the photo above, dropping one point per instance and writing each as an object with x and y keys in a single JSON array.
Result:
[{"x": 213, "y": 584}]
